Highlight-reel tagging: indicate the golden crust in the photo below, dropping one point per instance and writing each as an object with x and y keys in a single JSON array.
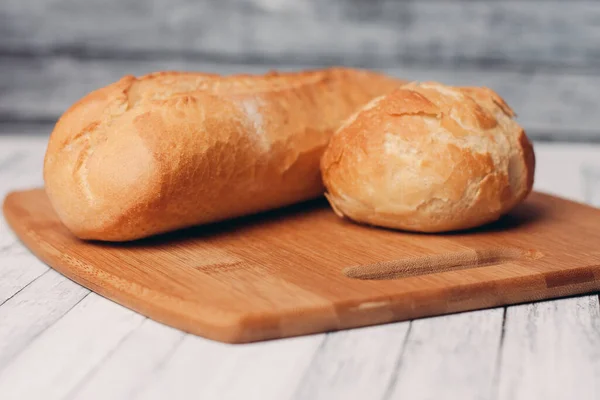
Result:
[
  {"x": 431, "y": 158},
  {"x": 171, "y": 150}
]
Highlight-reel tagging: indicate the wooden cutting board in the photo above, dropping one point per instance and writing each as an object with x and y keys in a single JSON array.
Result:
[{"x": 303, "y": 270}]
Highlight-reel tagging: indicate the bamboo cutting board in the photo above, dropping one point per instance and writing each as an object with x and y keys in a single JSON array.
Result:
[{"x": 304, "y": 270}]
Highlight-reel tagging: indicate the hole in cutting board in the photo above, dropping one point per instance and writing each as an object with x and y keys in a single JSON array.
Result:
[{"x": 436, "y": 263}]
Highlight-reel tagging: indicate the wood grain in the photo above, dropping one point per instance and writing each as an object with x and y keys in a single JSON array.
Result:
[
  {"x": 204, "y": 369},
  {"x": 13, "y": 277},
  {"x": 127, "y": 370},
  {"x": 354, "y": 364},
  {"x": 32, "y": 310},
  {"x": 557, "y": 343},
  {"x": 441, "y": 33},
  {"x": 549, "y": 104},
  {"x": 433, "y": 352},
  {"x": 280, "y": 274},
  {"x": 65, "y": 363}
]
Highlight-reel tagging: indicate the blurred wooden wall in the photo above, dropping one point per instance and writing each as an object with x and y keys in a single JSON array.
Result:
[{"x": 542, "y": 56}]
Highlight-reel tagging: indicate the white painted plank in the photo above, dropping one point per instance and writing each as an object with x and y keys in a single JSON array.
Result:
[
  {"x": 552, "y": 351},
  {"x": 130, "y": 367},
  {"x": 590, "y": 175},
  {"x": 354, "y": 364},
  {"x": 203, "y": 369},
  {"x": 450, "y": 357},
  {"x": 555, "y": 105},
  {"x": 12, "y": 141},
  {"x": 25, "y": 311},
  {"x": 11, "y": 160},
  {"x": 32, "y": 310},
  {"x": 440, "y": 33},
  {"x": 17, "y": 271},
  {"x": 21, "y": 161},
  {"x": 52, "y": 365},
  {"x": 18, "y": 267},
  {"x": 559, "y": 166}
]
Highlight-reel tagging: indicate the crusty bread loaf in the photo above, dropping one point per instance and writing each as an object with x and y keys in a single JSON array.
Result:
[
  {"x": 430, "y": 158},
  {"x": 172, "y": 150}
]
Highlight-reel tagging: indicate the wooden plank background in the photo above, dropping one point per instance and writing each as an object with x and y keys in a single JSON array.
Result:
[{"x": 542, "y": 56}]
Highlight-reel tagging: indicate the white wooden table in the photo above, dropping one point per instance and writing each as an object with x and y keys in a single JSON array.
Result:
[{"x": 60, "y": 341}]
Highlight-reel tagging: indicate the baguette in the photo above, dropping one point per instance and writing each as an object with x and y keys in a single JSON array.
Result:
[{"x": 172, "y": 150}]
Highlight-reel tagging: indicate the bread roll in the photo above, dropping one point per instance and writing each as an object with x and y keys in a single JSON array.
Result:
[
  {"x": 429, "y": 158},
  {"x": 172, "y": 150}
]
